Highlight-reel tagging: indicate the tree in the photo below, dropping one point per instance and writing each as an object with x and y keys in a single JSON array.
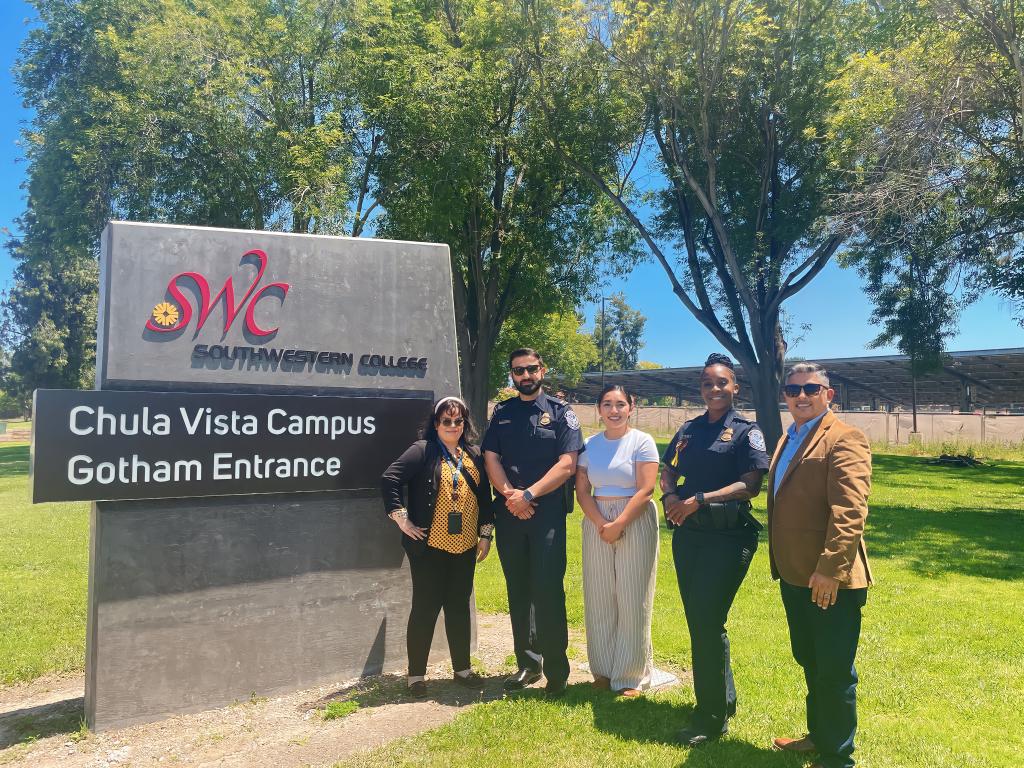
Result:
[
  {"x": 618, "y": 334},
  {"x": 567, "y": 351},
  {"x": 234, "y": 113},
  {"x": 911, "y": 278},
  {"x": 466, "y": 161},
  {"x": 932, "y": 119},
  {"x": 728, "y": 103}
]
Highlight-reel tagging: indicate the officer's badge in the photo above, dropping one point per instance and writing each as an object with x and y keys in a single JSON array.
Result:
[
  {"x": 545, "y": 420},
  {"x": 726, "y": 435},
  {"x": 757, "y": 440},
  {"x": 571, "y": 420}
]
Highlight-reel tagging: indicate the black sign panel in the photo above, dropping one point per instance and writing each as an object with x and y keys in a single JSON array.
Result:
[{"x": 105, "y": 445}]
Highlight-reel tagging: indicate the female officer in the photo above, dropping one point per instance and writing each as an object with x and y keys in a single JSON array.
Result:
[{"x": 713, "y": 465}]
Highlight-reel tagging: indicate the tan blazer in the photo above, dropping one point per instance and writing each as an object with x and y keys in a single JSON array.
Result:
[{"x": 816, "y": 521}]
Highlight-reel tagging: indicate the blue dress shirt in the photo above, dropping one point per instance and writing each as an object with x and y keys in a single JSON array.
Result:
[{"x": 794, "y": 439}]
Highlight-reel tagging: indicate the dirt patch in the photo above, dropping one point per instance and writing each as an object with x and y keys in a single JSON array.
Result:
[{"x": 41, "y": 722}]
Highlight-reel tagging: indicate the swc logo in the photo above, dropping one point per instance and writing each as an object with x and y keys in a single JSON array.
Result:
[{"x": 168, "y": 317}]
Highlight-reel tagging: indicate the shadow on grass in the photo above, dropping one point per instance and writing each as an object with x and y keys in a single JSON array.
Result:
[
  {"x": 651, "y": 719},
  {"x": 886, "y": 469},
  {"x": 393, "y": 689},
  {"x": 973, "y": 542},
  {"x": 30, "y": 724},
  {"x": 14, "y": 460}
]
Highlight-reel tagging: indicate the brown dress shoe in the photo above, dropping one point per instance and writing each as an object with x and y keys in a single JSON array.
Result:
[
  {"x": 629, "y": 693},
  {"x": 801, "y": 745},
  {"x": 602, "y": 683}
]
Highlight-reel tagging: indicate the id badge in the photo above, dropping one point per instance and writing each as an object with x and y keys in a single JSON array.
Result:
[{"x": 454, "y": 523}]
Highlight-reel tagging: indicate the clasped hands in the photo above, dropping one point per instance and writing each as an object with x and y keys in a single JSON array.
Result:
[
  {"x": 679, "y": 510},
  {"x": 517, "y": 505}
]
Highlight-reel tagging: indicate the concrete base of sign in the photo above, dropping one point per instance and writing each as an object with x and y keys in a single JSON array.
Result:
[{"x": 203, "y": 602}]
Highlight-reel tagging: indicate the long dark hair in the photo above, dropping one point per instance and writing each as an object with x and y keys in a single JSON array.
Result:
[{"x": 450, "y": 406}]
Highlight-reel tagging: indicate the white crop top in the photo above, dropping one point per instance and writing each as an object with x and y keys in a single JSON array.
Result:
[{"x": 611, "y": 464}]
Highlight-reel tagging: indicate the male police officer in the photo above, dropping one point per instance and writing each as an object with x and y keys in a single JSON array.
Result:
[{"x": 530, "y": 452}]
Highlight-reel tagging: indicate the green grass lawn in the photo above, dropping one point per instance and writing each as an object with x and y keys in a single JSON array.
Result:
[
  {"x": 44, "y": 565},
  {"x": 941, "y": 662},
  {"x": 941, "y": 656}
]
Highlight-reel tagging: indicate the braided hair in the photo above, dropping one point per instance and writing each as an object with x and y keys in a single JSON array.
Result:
[{"x": 717, "y": 358}]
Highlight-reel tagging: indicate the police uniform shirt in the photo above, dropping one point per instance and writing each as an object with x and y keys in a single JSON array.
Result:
[
  {"x": 709, "y": 456},
  {"x": 530, "y": 435}
]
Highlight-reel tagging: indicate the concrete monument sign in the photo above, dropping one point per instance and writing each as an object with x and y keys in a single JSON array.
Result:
[{"x": 198, "y": 602}]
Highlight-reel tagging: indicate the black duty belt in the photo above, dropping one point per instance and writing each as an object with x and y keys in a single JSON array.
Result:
[{"x": 724, "y": 516}]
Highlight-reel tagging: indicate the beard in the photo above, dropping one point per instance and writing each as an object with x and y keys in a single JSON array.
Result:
[{"x": 528, "y": 387}]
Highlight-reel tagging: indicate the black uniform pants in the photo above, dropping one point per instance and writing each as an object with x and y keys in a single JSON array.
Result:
[
  {"x": 710, "y": 568},
  {"x": 532, "y": 554},
  {"x": 440, "y": 580},
  {"x": 825, "y": 644}
]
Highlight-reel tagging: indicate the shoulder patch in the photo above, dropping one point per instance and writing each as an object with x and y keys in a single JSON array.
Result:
[
  {"x": 757, "y": 440},
  {"x": 571, "y": 420}
]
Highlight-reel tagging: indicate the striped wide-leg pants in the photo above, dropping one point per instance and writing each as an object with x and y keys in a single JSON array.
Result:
[{"x": 618, "y": 596}]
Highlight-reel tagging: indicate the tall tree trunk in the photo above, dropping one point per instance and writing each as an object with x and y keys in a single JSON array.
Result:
[
  {"x": 474, "y": 371},
  {"x": 765, "y": 381}
]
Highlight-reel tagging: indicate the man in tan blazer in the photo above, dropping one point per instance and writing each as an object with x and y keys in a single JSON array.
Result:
[{"x": 817, "y": 503}]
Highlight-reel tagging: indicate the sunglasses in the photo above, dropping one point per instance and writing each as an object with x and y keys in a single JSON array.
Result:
[
  {"x": 794, "y": 390},
  {"x": 456, "y": 422},
  {"x": 519, "y": 370}
]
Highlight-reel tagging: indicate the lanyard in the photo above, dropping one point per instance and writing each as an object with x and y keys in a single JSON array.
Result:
[{"x": 456, "y": 470}]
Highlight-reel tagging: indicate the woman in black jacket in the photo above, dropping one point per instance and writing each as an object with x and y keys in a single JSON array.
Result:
[{"x": 447, "y": 523}]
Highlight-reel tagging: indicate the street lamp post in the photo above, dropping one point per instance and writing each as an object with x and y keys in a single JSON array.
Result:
[{"x": 603, "y": 334}]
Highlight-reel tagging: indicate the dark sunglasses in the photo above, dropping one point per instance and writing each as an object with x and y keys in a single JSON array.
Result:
[
  {"x": 794, "y": 390},
  {"x": 519, "y": 370},
  {"x": 456, "y": 422}
]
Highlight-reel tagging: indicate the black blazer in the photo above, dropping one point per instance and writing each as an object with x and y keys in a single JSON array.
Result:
[{"x": 419, "y": 468}]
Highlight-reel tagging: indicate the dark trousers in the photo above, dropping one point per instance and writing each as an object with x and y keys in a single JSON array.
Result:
[
  {"x": 710, "y": 568},
  {"x": 440, "y": 580},
  {"x": 532, "y": 554},
  {"x": 825, "y": 644}
]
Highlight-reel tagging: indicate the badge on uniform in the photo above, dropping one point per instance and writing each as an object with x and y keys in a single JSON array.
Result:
[
  {"x": 571, "y": 420},
  {"x": 726, "y": 435},
  {"x": 545, "y": 420},
  {"x": 757, "y": 440}
]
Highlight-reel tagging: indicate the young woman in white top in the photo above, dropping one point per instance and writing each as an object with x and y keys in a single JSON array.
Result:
[{"x": 615, "y": 479}]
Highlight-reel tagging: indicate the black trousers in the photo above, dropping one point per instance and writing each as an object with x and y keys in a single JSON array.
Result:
[
  {"x": 440, "y": 580},
  {"x": 825, "y": 644},
  {"x": 710, "y": 568},
  {"x": 532, "y": 554}
]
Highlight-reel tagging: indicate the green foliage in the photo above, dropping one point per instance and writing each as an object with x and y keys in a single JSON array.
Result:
[
  {"x": 466, "y": 161},
  {"x": 567, "y": 352},
  {"x": 623, "y": 329},
  {"x": 930, "y": 122},
  {"x": 728, "y": 105},
  {"x": 231, "y": 113}
]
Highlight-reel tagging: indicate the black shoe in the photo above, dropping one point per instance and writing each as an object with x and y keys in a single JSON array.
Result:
[
  {"x": 696, "y": 735},
  {"x": 472, "y": 680},
  {"x": 521, "y": 679},
  {"x": 554, "y": 690},
  {"x": 418, "y": 689}
]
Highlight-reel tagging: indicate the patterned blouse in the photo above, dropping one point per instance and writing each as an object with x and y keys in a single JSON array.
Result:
[{"x": 439, "y": 537}]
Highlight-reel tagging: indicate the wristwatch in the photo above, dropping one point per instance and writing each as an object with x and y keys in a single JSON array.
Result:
[
  {"x": 528, "y": 495},
  {"x": 699, "y": 496}
]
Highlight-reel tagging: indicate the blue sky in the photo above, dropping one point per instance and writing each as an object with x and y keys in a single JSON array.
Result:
[{"x": 834, "y": 304}]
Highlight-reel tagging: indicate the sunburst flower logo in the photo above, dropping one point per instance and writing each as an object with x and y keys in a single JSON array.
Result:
[{"x": 165, "y": 314}]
